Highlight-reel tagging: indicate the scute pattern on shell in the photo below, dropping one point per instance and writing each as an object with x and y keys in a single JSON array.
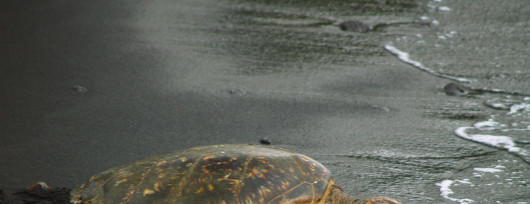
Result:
[{"x": 211, "y": 174}]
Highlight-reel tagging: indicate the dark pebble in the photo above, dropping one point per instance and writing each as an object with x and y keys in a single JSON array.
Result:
[
  {"x": 354, "y": 26},
  {"x": 453, "y": 89},
  {"x": 265, "y": 141}
]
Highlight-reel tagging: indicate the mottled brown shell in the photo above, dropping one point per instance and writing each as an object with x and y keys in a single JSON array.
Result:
[{"x": 211, "y": 174}]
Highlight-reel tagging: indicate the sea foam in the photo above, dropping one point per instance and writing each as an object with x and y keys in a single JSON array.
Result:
[
  {"x": 445, "y": 190},
  {"x": 405, "y": 57}
]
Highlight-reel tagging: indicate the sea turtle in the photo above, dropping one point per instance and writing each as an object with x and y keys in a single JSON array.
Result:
[{"x": 232, "y": 173}]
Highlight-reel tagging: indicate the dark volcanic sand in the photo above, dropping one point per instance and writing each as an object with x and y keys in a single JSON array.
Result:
[{"x": 36, "y": 196}]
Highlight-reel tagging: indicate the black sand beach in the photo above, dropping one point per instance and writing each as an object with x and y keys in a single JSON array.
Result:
[{"x": 88, "y": 85}]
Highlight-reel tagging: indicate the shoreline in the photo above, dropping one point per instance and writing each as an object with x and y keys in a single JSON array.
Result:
[{"x": 100, "y": 84}]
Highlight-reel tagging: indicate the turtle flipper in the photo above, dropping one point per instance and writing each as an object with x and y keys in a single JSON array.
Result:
[
  {"x": 378, "y": 200},
  {"x": 339, "y": 197}
]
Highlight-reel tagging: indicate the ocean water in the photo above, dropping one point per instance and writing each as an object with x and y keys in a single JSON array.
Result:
[{"x": 482, "y": 45}]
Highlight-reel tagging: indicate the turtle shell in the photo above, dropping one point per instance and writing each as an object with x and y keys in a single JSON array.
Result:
[{"x": 212, "y": 174}]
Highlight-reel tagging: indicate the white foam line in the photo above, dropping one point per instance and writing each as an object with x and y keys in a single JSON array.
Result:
[
  {"x": 497, "y": 141},
  {"x": 487, "y": 125},
  {"x": 517, "y": 107},
  {"x": 446, "y": 191},
  {"x": 503, "y": 142},
  {"x": 500, "y": 91},
  {"x": 404, "y": 57},
  {"x": 488, "y": 170}
]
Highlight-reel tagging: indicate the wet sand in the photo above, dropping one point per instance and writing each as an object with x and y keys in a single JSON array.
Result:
[{"x": 83, "y": 89}]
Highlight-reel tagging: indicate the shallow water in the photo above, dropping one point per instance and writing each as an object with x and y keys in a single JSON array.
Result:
[
  {"x": 483, "y": 41},
  {"x": 484, "y": 45}
]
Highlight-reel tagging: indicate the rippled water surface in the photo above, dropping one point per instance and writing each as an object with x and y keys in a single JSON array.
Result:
[{"x": 483, "y": 45}]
